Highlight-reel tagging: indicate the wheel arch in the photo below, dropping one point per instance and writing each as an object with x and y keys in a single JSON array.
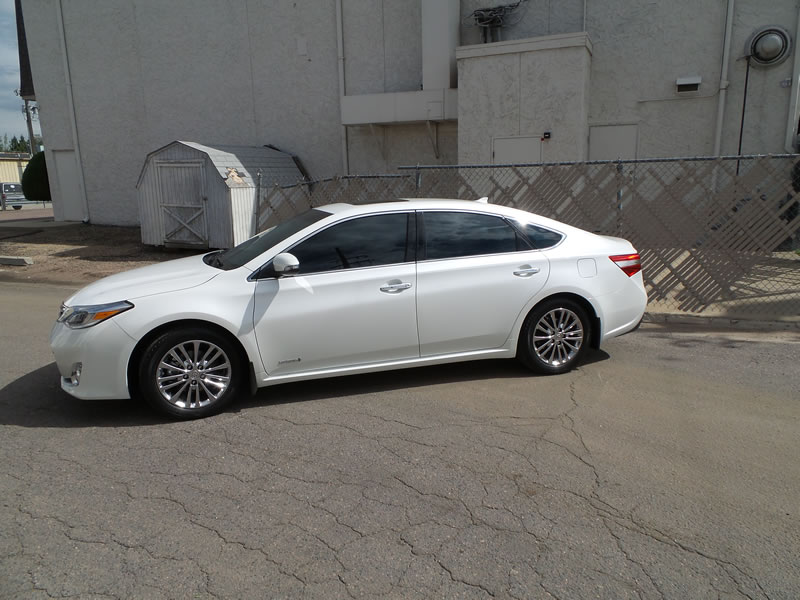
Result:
[
  {"x": 596, "y": 334},
  {"x": 144, "y": 342}
]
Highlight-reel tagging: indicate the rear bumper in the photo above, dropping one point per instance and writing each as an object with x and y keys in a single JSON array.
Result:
[{"x": 623, "y": 310}]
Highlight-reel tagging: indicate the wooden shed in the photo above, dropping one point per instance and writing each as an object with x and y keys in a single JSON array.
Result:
[{"x": 200, "y": 195}]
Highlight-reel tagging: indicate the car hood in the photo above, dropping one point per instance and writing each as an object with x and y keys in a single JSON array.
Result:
[{"x": 164, "y": 277}]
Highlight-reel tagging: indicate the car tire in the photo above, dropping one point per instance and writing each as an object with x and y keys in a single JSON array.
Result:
[
  {"x": 554, "y": 336},
  {"x": 190, "y": 372}
]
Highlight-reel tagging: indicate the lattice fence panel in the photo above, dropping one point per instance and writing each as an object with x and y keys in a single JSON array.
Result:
[{"x": 717, "y": 236}]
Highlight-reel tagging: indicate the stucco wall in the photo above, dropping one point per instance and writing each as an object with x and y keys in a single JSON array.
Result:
[
  {"x": 146, "y": 72},
  {"x": 524, "y": 89},
  {"x": 639, "y": 50},
  {"x": 533, "y": 18},
  {"x": 382, "y": 46},
  {"x": 384, "y": 148}
]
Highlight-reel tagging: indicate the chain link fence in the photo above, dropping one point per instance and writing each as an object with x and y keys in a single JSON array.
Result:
[{"x": 718, "y": 236}]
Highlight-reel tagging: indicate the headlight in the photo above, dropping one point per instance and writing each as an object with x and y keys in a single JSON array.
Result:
[{"x": 80, "y": 317}]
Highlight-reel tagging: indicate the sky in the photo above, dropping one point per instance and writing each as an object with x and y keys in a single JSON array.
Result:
[{"x": 12, "y": 120}]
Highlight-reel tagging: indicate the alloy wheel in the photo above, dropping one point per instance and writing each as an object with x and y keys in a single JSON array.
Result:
[
  {"x": 557, "y": 337},
  {"x": 193, "y": 374}
]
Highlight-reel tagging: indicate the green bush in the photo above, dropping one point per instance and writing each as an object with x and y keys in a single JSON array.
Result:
[{"x": 35, "y": 184}]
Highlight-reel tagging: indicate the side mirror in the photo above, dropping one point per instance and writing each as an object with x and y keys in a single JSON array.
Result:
[{"x": 286, "y": 264}]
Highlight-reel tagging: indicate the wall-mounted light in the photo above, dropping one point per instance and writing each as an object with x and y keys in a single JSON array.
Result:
[{"x": 768, "y": 46}]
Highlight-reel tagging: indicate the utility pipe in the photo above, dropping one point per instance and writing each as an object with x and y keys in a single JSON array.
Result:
[
  {"x": 340, "y": 50},
  {"x": 744, "y": 107},
  {"x": 723, "y": 78},
  {"x": 71, "y": 110},
  {"x": 30, "y": 126},
  {"x": 794, "y": 94},
  {"x": 584, "y": 15}
]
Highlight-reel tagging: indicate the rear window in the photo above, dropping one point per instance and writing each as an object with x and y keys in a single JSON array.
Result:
[
  {"x": 458, "y": 234},
  {"x": 539, "y": 237},
  {"x": 12, "y": 188}
]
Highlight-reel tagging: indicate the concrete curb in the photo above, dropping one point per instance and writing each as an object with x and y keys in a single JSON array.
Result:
[
  {"x": 720, "y": 323},
  {"x": 16, "y": 261}
]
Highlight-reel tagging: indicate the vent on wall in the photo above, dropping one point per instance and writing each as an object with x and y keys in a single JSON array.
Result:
[{"x": 687, "y": 85}]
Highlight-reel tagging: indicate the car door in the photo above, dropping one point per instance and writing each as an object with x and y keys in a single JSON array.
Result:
[
  {"x": 474, "y": 276},
  {"x": 352, "y": 302}
]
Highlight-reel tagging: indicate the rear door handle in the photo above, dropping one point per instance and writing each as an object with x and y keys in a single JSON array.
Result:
[
  {"x": 526, "y": 271},
  {"x": 394, "y": 288}
]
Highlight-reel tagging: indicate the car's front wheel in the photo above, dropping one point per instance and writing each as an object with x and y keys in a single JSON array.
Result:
[
  {"x": 190, "y": 373},
  {"x": 554, "y": 337}
]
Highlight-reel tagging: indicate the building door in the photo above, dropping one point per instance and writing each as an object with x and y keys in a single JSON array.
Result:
[
  {"x": 516, "y": 150},
  {"x": 613, "y": 142},
  {"x": 182, "y": 200}
]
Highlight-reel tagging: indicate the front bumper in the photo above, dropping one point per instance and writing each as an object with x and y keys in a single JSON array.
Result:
[{"x": 103, "y": 352}]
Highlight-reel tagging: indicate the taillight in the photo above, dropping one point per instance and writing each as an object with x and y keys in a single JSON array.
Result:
[{"x": 629, "y": 263}]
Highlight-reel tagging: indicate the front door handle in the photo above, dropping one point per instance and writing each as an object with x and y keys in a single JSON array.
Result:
[
  {"x": 526, "y": 271},
  {"x": 395, "y": 288}
]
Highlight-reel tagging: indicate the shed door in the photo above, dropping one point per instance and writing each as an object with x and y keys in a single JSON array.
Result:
[{"x": 182, "y": 199}]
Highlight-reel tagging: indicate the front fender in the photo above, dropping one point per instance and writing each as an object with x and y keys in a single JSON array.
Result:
[{"x": 225, "y": 301}]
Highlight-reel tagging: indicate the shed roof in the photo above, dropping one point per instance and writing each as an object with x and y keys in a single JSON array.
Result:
[{"x": 276, "y": 167}]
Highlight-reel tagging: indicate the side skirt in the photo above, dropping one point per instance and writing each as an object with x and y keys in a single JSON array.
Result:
[{"x": 389, "y": 366}]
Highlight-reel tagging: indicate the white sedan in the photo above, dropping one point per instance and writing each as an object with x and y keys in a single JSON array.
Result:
[{"x": 346, "y": 289}]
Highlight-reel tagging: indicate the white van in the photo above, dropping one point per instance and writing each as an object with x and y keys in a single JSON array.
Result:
[{"x": 11, "y": 193}]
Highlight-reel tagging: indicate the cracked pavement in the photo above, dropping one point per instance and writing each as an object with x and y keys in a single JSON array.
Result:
[{"x": 665, "y": 467}]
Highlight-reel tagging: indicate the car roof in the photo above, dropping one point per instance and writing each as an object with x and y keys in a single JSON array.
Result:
[
  {"x": 480, "y": 205},
  {"x": 343, "y": 210}
]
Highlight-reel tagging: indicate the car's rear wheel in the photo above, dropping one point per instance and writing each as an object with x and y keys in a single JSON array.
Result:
[
  {"x": 554, "y": 337},
  {"x": 190, "y": 373}
]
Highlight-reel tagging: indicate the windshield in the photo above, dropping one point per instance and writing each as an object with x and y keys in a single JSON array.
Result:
[
  {"x": 12, "y": 188},
  {"x": 248, "y": 250}
]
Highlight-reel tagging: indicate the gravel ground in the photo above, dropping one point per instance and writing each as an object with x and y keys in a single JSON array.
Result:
[{"x": 76, "y": 253}]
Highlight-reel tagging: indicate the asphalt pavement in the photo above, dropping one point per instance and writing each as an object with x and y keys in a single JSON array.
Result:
[
  {"x": 39, "y": 211},
  {"x": 665, "y": 467}
]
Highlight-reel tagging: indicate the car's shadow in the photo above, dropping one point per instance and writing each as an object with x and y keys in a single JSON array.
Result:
[{"x": 36, "y": 400}]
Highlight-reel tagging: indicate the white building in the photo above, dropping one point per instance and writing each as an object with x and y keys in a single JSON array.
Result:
[{"x": 357, "y": 86}]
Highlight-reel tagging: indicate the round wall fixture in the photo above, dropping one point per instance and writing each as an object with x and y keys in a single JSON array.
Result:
[{"x": 768, "y": 46}]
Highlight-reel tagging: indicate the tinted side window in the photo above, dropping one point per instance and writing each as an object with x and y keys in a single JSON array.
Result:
[
  {"x": 453, "y": 234},
  {"x": 362, "y": 242},
  {"x": 540, "y": 237}
]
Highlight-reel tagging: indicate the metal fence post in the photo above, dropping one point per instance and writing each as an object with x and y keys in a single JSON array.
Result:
[
  {"x": 619, "y": 197},
  {"x": 257, "y": 211}
]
